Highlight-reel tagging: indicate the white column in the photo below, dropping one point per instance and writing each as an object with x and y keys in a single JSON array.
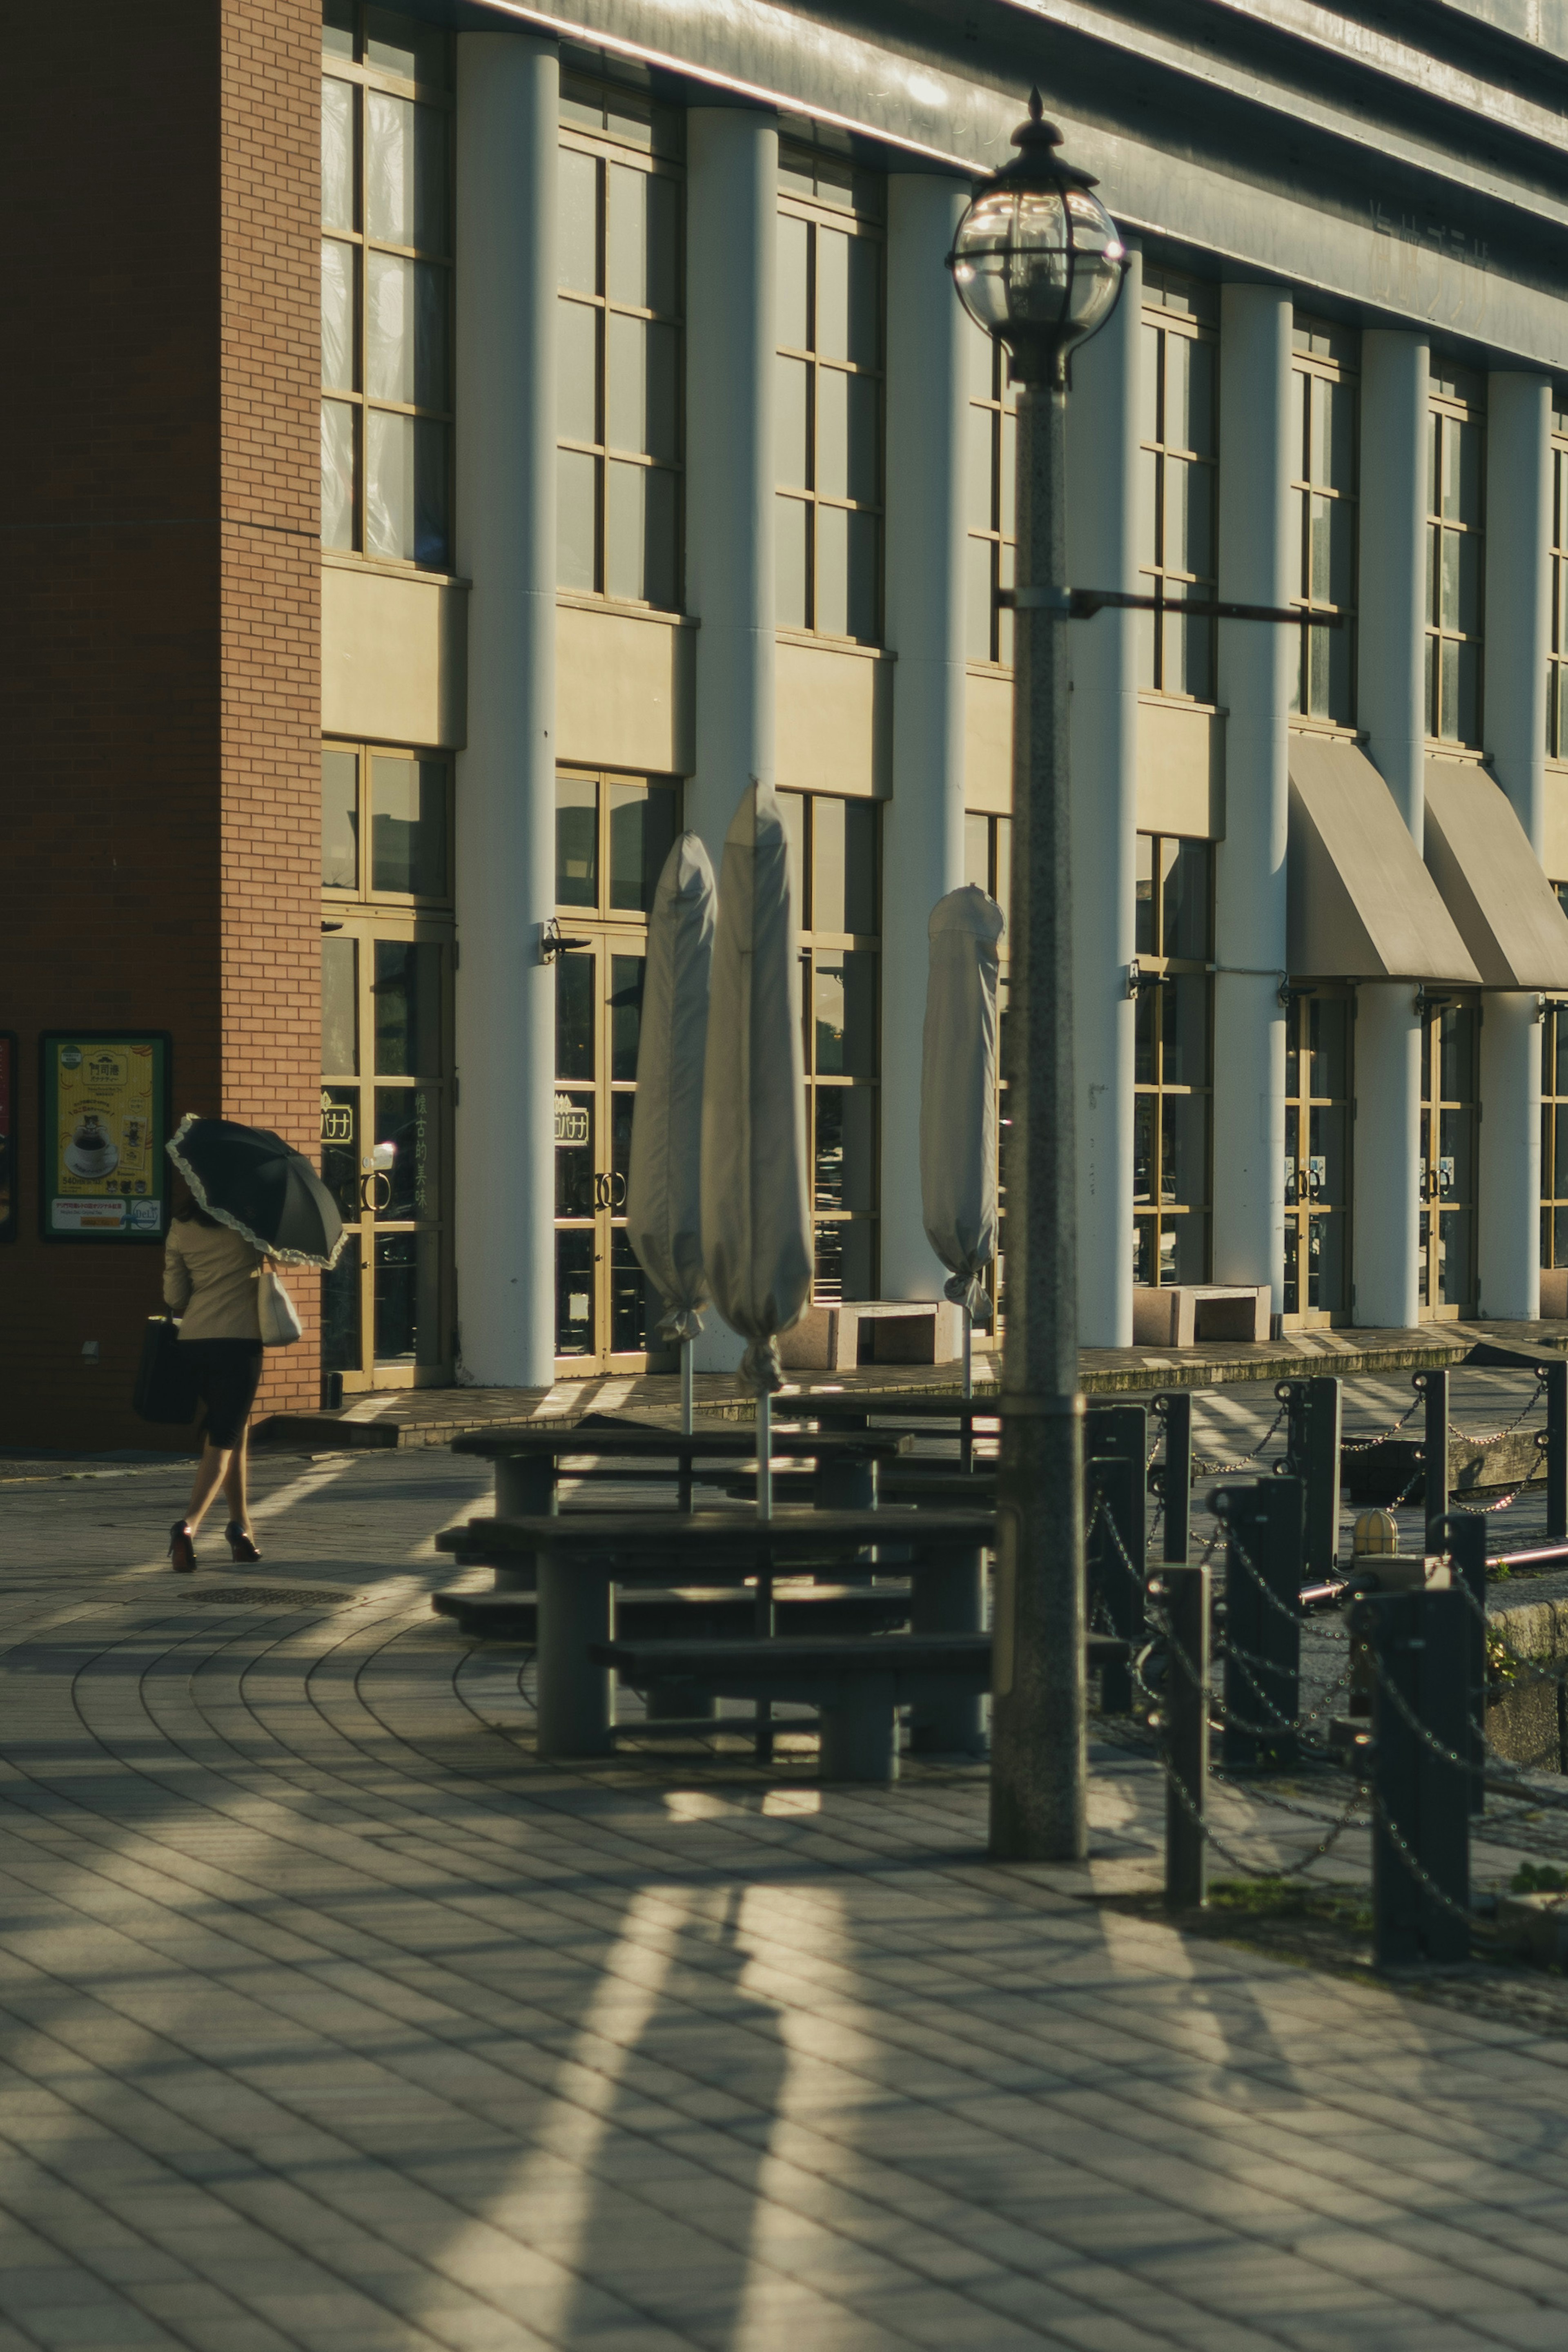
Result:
[
  {"x": 732, "y": 203},
  {"x": 1103, "y": 552},
  {"x": 1254, "y": 667},
  {"x": 507, "y": 121},
  {"x": 1391, "y": 707},
  {"x": 923, "y": 824},
  {"x": 1517, "y": 643}
]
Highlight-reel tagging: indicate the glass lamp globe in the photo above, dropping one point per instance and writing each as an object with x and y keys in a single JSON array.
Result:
[{"x": 1037, "y": 259}]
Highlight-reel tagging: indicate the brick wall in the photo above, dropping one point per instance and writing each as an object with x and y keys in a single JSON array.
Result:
[{"x": 159, "y": 613}]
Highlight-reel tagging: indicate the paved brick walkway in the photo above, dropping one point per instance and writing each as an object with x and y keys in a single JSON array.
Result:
[{"x": 329, "y": 2019}]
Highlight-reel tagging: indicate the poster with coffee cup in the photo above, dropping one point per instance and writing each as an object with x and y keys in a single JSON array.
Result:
[{"x": 105, "y": 1121}]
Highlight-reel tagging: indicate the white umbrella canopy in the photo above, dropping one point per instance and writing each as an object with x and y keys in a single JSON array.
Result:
[
  {"x": 958, "y": 1097},
  {"x": 663, "y": 1181},
  {"x": 756, "y": 1225}
]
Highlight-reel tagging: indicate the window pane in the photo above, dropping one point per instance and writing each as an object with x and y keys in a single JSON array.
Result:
[
  {"x": 1189, "y": 394},
  {"x": 1333, "y": 442},
  {"x": 640, "y": 535},
  {"x": 846, "y": 297},
  {"x": 846, "y": 435},
  {"x": 575, "y": 842},
  {"x": 389, "y": 484},
  {"x": 979, "y": 361},
  {"x": 1183, "y": 1006},
  {"x": 1007, "y": 479},
  {"x": 790, "y": 423},
  {"x": 978, "y": 593},
  {"x": 1149, "y": 360},
  {"x": 573, "y": 1152},
  {"x": 338, "y": 316},
  {"x": 389, "y": 327},
  {"x": 340, "y": 823},
  {"x": 340, "y": 1146},
  {"x": 626, "y": 973},
  {"x": 1185, "y": 891},
  {"x": 1296, "y": 448},
  {"x": 790, "y": 294},
  {"x": 642, "y": 834},
  {"x": 577, "y": 371},
  {"x": 341, "y": 1345},
  {"x": 846, "y": 573},
  {"x": 979, "y": 485},
  {"x": 1462, "y": 470},
  {"x": 338, "y": 155},
  {"x": 843, "y": 865},
  {"x": 1183, "y": 1140},
  {"x": 1448, "y": 690},
  {"x": 843, "y": 1014},
  {"x": 1004, "y": 890},
  {"x": 574, "y": 1054},
  {"x": 337, "y": 473},
  {"x": 339, "y": 1007},
  {"x": 408, "y": 1008},
  {"x": 842, "y": 1166},
  {"x": 641, "y": 400},
  {"x": 1328, "y": 1069},
  {"x": 792, "y": 809},
  {"x": 405, "y": 1118},
  {"x": 791, "y": 523},
  {"x": 408, "y": 826},
  {"x": 1330, "y": 543},
  {"x": 405, "y": 171},
  {"x": 407, "y": 1298},
  {"x": 1189, "y": 518},
  {"x": 430, "y": 372},
  {"x": 338, "y": 28},
  {"x": 641, "y": 239},
  {"x": 978, "y": 851},
  {"x": 401, "y": 45},
  {"x": 628, "y": 1296},
  {"x": 576, "y": 224},
  {"x": 574, "y": 1292},
  {"x": 576, "y": 484}
]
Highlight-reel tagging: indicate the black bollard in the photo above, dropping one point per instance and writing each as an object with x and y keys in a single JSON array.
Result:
[
  {"x": 1464, "y": 1536},
  {"x": 1263, "y": 1520},
  {"x": 1421, "y": 1826},
  {"x": 1174, "y": 1407},
  {"x": 1184, "y": 1729},
  {"x": 1556, "y": 1376},
  {"x": 1115, "y": 1449},
  {"x": 1312, "y": 1434},
  {"x": 1433, "y": 1387}
]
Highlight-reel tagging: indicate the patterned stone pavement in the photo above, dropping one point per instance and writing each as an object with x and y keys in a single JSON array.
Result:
[{"x": 329, "y": 2018}]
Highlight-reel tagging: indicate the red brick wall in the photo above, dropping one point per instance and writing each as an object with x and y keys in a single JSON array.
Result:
[{"x": 159, "y": 616}]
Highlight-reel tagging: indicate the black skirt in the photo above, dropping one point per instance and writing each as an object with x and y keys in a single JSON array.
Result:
[{"x": 228, "y": 1373}]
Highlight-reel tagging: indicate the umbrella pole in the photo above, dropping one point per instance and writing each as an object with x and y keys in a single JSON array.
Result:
[
  {"x": 765, "y": 1619},
  {"x": 765, "y": 1456},
  {"x": 686, "y": 1388},
  {"x": 969, "y": 1357}
]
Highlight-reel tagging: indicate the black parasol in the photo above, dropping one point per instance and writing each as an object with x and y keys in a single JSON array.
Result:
[{"x": 250, "y": 1180}]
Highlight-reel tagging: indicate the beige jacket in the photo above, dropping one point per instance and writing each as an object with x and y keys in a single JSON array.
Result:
[{"x": 209, "y": 1280}]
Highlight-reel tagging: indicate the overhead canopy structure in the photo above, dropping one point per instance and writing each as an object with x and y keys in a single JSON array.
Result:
[
  {"x": 1480, "y": 856},
  {"x": 1361, "y": 903}
]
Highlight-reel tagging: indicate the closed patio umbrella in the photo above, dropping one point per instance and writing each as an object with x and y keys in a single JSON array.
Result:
[
  {"x": 664, "y": 1183},
  {"x": 756, "y": 1226},
  {"x": 958, "y": 1099}
]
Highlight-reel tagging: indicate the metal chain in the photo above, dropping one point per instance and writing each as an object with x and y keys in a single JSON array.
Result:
[
  {"x": 1237, "y": 1862},
  {"x": 1423, "y": 1878},
  {"x": 1365, "y": 1444},
  {"x": 1293, "y": 1616},
  {"x": 1535, "y": 1398},
  {"x": 1203, "y": 1468}
]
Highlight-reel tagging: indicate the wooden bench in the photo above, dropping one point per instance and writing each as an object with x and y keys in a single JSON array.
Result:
[
  {"x": 857, "y": 1685},
  {"x": 579, "y": 1558}
]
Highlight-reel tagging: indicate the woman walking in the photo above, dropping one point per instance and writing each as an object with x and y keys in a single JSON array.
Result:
[{"x": 210, "y": 1277}]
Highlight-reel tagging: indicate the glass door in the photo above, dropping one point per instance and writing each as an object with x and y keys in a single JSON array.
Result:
[
  {"x": 385, "y": 1153},
  {"x": 1317, "y": 1156},
  {"x": 1449, "y": 1109},
  {"x": 612, "y": 836}
]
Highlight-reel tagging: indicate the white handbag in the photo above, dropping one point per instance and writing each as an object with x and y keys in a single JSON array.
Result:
[{"x": 280, "y": 1324}]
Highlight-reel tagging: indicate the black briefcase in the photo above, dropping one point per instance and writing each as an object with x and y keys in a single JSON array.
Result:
[{"x": 166, "y": 1378}]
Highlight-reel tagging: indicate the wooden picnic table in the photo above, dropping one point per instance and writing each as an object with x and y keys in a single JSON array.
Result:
[
  {"x": 579, "y": 1557},
  {"x": 528, "y": 1460},
  {"x": 856, "y": 1408}
]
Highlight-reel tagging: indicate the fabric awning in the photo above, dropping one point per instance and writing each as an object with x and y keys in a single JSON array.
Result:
[
  {"x": 1361, "y": 904},
  {"x": 1480, "y": 856}
]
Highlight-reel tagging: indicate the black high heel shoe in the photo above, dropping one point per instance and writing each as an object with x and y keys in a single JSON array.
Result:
[
  {"x": 181, "y": 1547},
  {"x": 241, "y": 1546}
]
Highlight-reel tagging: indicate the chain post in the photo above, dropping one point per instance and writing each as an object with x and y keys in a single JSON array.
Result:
[
  {"x": 1433, "y": 1388},
  {"x": 1421, "y": 1825},
  {"x": 1557, "y": 1452},
  {"x": 1466, "y": 1541},
  {"x": 1116, "y": 1449},
  {"x": 1262, "y": 1520},
  {"x": 1185, "y": 1592},
  {"x": 1174, "y": 1407},
  {"x": 1313, "y": 1425}
]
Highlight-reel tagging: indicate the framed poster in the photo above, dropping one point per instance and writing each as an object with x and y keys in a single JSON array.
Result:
[
  {"x": 103, "y": 1120},
  {"x": 8, "y": 1135}
]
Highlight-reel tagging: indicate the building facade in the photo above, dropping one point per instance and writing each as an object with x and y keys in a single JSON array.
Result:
[{"x": 557, "y": 417}]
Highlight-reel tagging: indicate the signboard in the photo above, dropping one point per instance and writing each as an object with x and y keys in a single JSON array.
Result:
[
  {"x": 103, "y": 1122},
  {"x": 570, "y": 1123},
  {"x": 8, "y": 1135}
]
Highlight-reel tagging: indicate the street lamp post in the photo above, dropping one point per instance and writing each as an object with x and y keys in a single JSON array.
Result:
[{"x": 1038, "y": 265}]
